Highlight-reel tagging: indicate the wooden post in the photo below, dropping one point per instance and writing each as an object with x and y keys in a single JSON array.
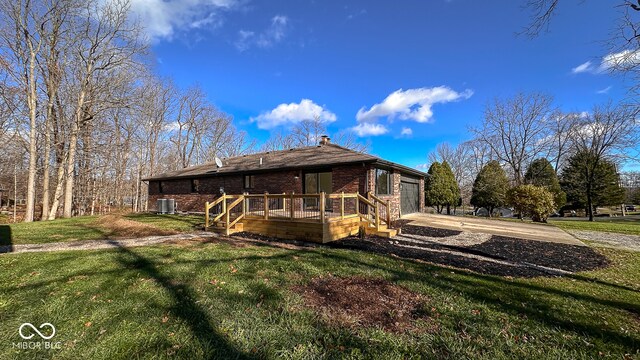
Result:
[
  {"x": 224, "y": 203},
  {"x": 266, "y": 207},
  {"x": 322, "y": 204},
  {"x": 377, "y": 216},
  {"x": 206, "y": 216},
  {"x": 244, "y": 203},
  {"x": 358, "y": 203},
  {"x": 291, "y": 210},
  {"x": 388, "y": 214},
  {"x": 342, "y": 206},
  {"x": 227, "y": 224}
]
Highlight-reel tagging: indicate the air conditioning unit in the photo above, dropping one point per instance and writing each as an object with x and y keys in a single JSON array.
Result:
[
  {"x": 162, "y": 206},
  {"x": 171, "y": 206}
]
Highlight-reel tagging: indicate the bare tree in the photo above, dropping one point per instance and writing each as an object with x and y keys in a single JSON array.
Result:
[
  {"x": 515, "y": 130},
  {"x": 623, "y": 47},
  {"x": 22, "y": 43},
  {"x": 105, "y": 41},
  {"x": 559, "y": 140},
  {"x": 461, "y": 161}
]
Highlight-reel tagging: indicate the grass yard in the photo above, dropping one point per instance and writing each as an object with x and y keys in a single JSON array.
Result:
[
  {"x": 619, "y": 225},
  {"x": 98, "y": 227},
  {"x": 236, "y": 300}
]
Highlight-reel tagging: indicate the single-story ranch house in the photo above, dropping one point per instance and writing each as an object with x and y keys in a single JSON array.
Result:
[{"x": 325, "y": 168}]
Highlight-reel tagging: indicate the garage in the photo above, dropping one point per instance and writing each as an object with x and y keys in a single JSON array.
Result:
[{"x": 409, "y": 195}]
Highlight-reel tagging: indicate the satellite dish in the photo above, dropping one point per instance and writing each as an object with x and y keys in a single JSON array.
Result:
[{"x": 218, "y": 162}]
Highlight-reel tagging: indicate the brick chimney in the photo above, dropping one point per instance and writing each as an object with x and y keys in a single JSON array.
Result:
[{"x": 324, "y": 140}]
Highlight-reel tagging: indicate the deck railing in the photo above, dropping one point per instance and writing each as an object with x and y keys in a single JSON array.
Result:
[{"x": 227, "y": 210}]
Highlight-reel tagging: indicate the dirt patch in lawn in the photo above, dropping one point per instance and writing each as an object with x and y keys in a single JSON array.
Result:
[
  {"x": 118, "y": 227},
  {"x": 357, "y": 302}
]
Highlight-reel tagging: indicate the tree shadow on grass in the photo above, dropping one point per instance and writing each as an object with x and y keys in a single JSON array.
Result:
[
  {"x": 213, "y": 344},
  {"x": 6, "y": 240}
]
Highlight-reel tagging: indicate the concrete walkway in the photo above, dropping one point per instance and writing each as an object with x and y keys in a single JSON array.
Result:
[
  {"x": 514, "y": 229},
  {"x": 606, "y": 239},
  {"x": 104, "y": 244}
]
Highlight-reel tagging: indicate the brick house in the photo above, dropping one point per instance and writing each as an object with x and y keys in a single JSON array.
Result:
[{"x": 325, "y": 168}]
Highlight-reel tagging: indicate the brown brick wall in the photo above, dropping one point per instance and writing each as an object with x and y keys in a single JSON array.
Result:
[
  {"x": 348, "y": 179},
  {"x": 209, "y": 189}
]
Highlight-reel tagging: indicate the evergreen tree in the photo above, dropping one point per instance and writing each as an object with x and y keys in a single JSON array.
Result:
[
  {"x": 541, "y": 173},
  {"x": 441, "y": 189},
  {"x": 490, "y": 187},
  {"x": 590, "y": 182},
  {"x": 452, "y": 184}
]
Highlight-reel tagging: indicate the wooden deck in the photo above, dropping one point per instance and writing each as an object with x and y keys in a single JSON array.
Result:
[{"x": 310, "y": 217}]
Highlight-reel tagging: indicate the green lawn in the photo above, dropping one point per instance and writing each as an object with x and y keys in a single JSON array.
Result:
[
  {"x": 218, "y": 300},
  {"x": 182, "y": 223},
  {"x": 91, "y": 228},
  {"x": 616, "y": 225}
]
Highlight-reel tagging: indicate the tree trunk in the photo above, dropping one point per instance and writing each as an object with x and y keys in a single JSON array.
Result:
[
  {"x": 33, "y": 151},
  {"x": 589, "y": 203}
]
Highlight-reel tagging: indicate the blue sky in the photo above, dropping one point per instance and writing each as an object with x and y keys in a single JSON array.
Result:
[{"x": 437, "y": 63}]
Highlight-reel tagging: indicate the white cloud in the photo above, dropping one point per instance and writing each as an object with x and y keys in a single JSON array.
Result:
[
  {"x": 172, "y": 126},
  {"x": 406, "y": 131},
  {"x": 621, "y": 60},
  {"x": 285, "y": 114},
  {"x": 369, "y": 129},
  {"x": 584, "y": 67},
  {"x": 162, "y": 19},
  {"x": 423, "y": 166},
  {"x": 604, "y": 91},
  {"x": 411, "y": 104},
  {"x": 267, "y": 38}
]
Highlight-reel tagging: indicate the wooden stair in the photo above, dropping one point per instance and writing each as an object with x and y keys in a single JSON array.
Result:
[
  {"x": 382, "y": 231},
  {"x": 221, "y": 228}
]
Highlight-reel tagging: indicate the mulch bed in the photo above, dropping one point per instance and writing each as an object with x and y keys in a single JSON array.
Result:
[
  {"x": 363, "y": 302},
  {"x": 429, "y": 231},
  {"x": 556, "y": 255},
  {"x": 383, "y": 246}
]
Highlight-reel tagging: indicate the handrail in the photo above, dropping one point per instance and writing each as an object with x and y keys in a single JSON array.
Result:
[
  {"x": 229, "y": 224},
  {"x": 386, "y": 204},
  {"x": 365, "y": 200},
  {"x": 208, "y": 206},
  {"x": 373, "y": 211}
]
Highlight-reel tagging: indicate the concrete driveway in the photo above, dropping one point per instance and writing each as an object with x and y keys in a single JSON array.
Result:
[{"x": 514, "y": 229}]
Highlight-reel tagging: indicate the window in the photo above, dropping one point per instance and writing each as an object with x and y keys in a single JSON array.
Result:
[
  {"x": 383, "y": 182},
  {"x": 315, "y": 183},
  {"x": 160, "y": 187},
  {"x": 249, "y": 181},
  {"x": 195, "y": 185}
]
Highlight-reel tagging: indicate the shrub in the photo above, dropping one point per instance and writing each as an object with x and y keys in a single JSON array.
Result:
[{"x": 533, "y": 201}]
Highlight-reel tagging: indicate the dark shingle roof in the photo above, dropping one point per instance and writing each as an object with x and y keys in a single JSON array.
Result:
[{"x": 305, "y": 157}]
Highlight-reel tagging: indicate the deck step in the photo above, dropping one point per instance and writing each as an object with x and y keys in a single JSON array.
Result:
[
  {"x": 220, "y": 227},
  {"x": 384, "y": 231}
]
